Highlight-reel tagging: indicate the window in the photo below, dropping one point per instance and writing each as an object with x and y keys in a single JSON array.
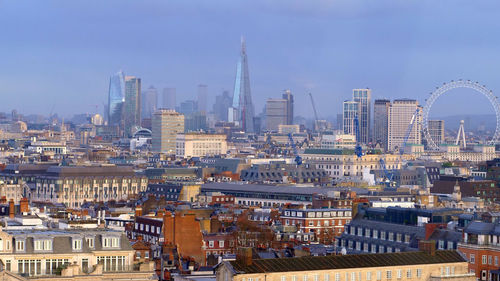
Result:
[
  {"x": 441, "y": 245},
  {"x": 419, "y": 272},
  {"x": 221, "y": 243},
  {"x": 138, "y": 255},
  {"x": 327, "y": 277},
  {"x": 382, "y": 235},
  {"x": 496, "y": 260},
  {"x": 388, "y": 274},
  {"x": 379, "y": 275},
  {"x": 483, "y": 260},
  {"x": 337, "y": 276},
  {"x": 210, "y": 244},
  {"x": 353, "y": 276},
  {"x": 294, "y": 278},
  {"x": 375, "y": 233},
  {"x": 146, "y": 255},
  {"x": 90, "y": 242},
  {"x": 316, "y": 277},
  {"x": 43, "y": 245},
  {"x": 472, "y": 258},
  {"x": 447, "y": 271},
  {"x": 399, "y": 237},
  {"x": 304, "y": 278},
  {"x": 77, "y": 244},
  {"x": 19, "y": 245},
  {"x": 8, "y": 265},
  {"x": 399, "y": 274},
  {"x": 450, "y": 245},
  {"x": 368, "y": 276}
]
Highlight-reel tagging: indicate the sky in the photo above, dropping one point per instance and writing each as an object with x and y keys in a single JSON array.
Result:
[{"x": 57, "y": 56}]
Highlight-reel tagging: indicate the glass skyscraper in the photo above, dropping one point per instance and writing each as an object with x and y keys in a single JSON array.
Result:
[
  {"x": 363, "y": 97},
  {"x": 116, "y": 98},
  {"x": 132, "y": 105},
  {"x": 242, "y": 111}
]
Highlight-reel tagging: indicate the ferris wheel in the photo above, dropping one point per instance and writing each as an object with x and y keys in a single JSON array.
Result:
[{"x": 453, "y": 85}]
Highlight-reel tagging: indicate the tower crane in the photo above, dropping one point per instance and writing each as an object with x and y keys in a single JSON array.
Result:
[
  {"x": 314, "y": 109},
  {"x": 298, "y": 159}
]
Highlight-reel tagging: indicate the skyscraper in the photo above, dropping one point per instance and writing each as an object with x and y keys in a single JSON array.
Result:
[
  {"x": 202, "y": 98},
  {"x": 166, "y": 125},
  {"x": 436, "y": 130},
  {"x": 289, "y": 106},
  {"x": 242, "y": 111},
  {"x": 149, "y": 102},
  {"x": 401, "y": 114},
  {"x": 380, "y": 117},
  {"x": 221, "y": 106},
  {"x": 132, "y": 109},
  {"x": 350, "y": 110},
  {"x": 363, "y": 97},
  {"x": 116, "y": 98},
  {"x": 276, "y": 113},
  {"x": 168, "y": 98}
]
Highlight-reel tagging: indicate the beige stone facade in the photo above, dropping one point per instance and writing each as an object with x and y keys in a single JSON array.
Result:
[{"x": 199, "y": 145}]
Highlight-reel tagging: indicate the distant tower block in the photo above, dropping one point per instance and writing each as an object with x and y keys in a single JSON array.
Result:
[{"x": 461, "y": 135}]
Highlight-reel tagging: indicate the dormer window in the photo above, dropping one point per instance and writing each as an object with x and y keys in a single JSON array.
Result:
[
  {"x": 90, "y": 242},
  {"x": 43, "y": 245},
  {"x": 111, "y": 242},
  {"x": 77, "y": 244},
  {"x": 20, "y": 245}
]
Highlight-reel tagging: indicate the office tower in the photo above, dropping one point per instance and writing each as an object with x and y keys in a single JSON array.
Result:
[
  {"x": 276, "y": 114},
  {"x": 196, "y": 121},
  {"x": 202, "y": 98},
  {"x": 165, "y": 126},
  {"x": 221, "y": 106},
  {"x": 350, "y": 110},
  {"x": 149, "y": 102},
  {"x": 339, "y": 122},
  {"x": 242, "y": 111},
  {"x": 380, "y": 118},
  {"x": 436, "y": 130},
  {"x": 116, "y": 99},
  {"x": 169, "y": 98},
  {"x": 132, "y": 109},
  {"x": 401, "y": 114},
  {"x": 289, "y": 107},
  {"x": 188, "y": 107},
  {"x": 363, "y": 97}
]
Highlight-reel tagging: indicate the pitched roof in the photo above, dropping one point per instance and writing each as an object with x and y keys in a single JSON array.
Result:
[{"x": 347, "y": 261}]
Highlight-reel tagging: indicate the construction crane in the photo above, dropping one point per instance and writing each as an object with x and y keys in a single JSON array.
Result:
[
  {"x": 357, "y": 150},
  {"x": 390, "y": 175},
  {"x": 298, "y": 159},
  {"x": 314, "y": 109}
]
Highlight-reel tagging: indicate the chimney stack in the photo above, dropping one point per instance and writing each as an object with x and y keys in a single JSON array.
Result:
[
  {"x": 428, "y": 247},
  {"x": 12, "y": 211},
  {"x": 24, "y": 206},
  {"x": 138, "y": 211},
  {"x": 244, "y": 256}
]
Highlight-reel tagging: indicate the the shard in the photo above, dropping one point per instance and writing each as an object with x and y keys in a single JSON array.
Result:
[{"x": 242, "y": 111}]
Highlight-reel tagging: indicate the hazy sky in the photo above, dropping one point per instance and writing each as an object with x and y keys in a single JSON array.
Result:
[{"x": 60, "y": 54}]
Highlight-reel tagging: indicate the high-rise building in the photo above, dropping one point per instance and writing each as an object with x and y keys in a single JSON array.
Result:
[
  {"x": 363, "y": 97},
  {"x": 166, "y": 125},
  {"x": 401, "y": 114},
  {"x": 289, "y": 107},
  {"x": 195, "y": 122},
  {"x": 188, "y": 107},
  {"x": 132, "y": 108},
  {"x": 350, "y": 110},
  {"x": 116, "y": 99},
  {"x": 242, "y": 111},
  {"x": 221, "y": 106},
  {"x": 202, "y": 98},
  {"x": 149, "y": 102},
  {"x": 436, "y": 130},
  {"x": 169, "y": 98},
  {"x": 276, "y": 114},
  {"x": 380, "y": 118}
]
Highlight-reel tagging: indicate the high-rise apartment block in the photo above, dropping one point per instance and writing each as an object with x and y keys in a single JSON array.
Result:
[
  {"x": 363, "y": 97},
  {"x": 289, "y": 107},
  {"x": 436, "y": 130},
  {"x": 350, "y": 111},
  {"x": 169, "y": 98},
  {"x": 401, "y": 115},
  {"x": 380, "y": 118},
  {"x": 166, "y": 125},
  {"x": 132, "y": 109}
]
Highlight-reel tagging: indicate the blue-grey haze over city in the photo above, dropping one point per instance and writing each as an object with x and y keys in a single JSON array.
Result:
[{"x": 58, "y": 55}]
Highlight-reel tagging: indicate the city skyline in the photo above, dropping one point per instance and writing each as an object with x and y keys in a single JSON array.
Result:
[{"x": 397, "y": 62}]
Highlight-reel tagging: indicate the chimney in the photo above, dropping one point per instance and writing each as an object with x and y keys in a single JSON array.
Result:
[
  {"x": 428, "y": 247},
  {"x": 3, "y": 200},
  {"x": 139, "y": 238},
  {"x": 138, "y": 211},
  {"x": 24, "y": 206},
  {"x": 11, "y": 209},
  {"x": 244, "y": 256}
]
